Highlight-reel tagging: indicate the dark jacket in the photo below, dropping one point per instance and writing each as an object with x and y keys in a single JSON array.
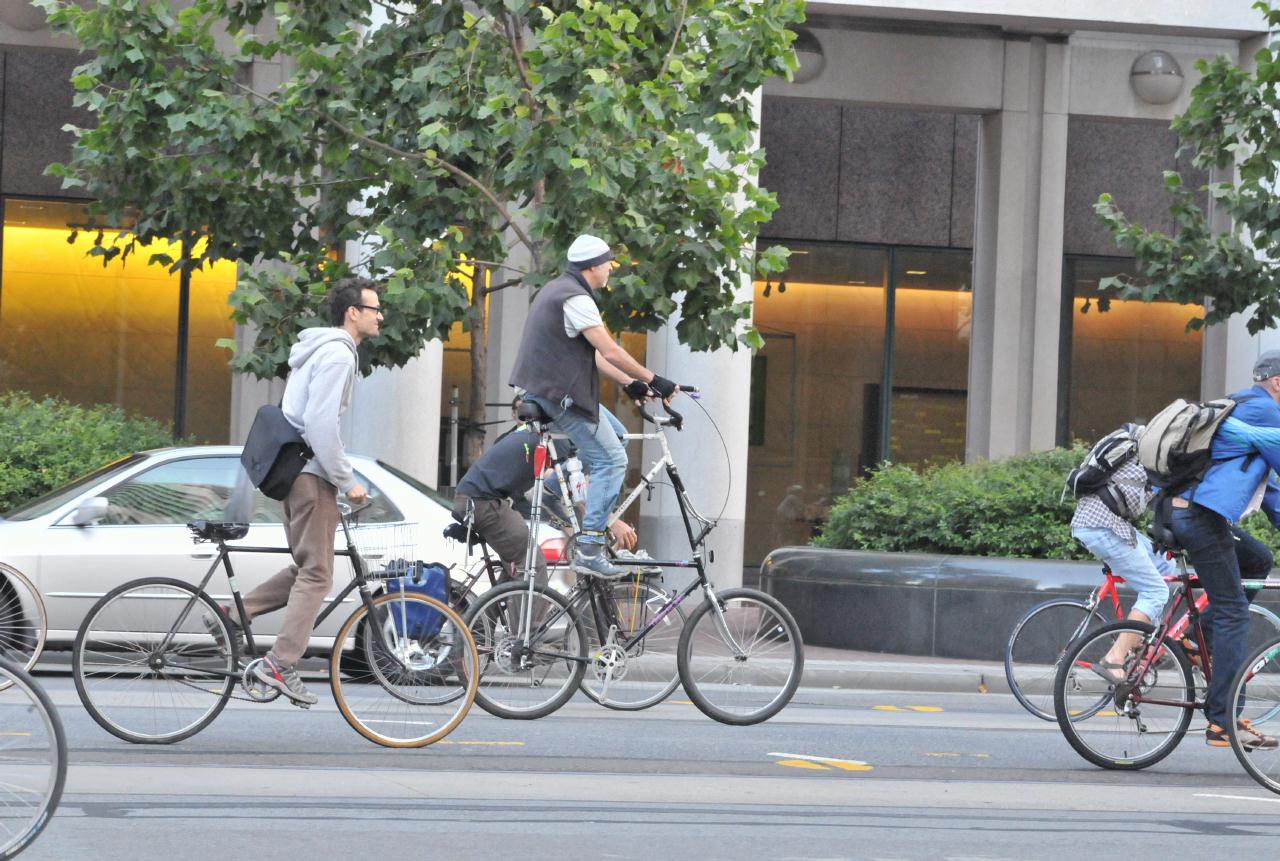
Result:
[{"x": 549, "y": 363}]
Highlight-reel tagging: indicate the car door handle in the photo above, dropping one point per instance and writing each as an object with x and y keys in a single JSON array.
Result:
[{"x": 202, "y": 555}]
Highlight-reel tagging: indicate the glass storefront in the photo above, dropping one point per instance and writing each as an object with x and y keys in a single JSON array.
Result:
[
  {"x": 866, "y": 359},
  {"x": 71, "y": 328},
  {"x": 1119, "y": 360}
]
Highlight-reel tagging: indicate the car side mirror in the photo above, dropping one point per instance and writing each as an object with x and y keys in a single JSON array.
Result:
[{"x": 90, "y": 511}]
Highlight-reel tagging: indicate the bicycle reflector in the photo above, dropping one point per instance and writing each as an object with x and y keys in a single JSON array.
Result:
[
  {"x": 539, "y": 460},
  {"x": 553, "y": 550}
]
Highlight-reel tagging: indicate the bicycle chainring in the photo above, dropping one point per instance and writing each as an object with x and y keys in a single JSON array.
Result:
[
  {"x": 256, "y": 690},
  {"x": 610, "y": 662}
]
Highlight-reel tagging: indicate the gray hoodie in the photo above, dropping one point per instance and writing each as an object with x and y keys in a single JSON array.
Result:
[{"x": 323, "y": 370}]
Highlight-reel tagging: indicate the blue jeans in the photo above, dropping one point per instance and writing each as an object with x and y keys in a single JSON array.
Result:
[
  {"x": 1138, "y": 565},
  {"x": 1222, "y": 554},
  {"x": 603, "y": 458}
]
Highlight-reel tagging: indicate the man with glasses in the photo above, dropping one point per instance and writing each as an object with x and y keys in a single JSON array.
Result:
[
  {"x": 564, "y": 349},
  {"x": 322, "y": 372}
]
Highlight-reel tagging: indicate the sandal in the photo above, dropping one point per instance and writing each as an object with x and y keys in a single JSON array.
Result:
[{"x": 1113, "y": 673}]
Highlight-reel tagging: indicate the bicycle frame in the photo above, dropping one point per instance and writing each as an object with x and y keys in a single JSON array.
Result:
[
  {"x": 688, "y": 514},
  {"x": 359, "y": 581}
]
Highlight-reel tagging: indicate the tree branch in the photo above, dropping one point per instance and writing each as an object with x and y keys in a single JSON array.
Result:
[
  {"x": 675, "y": 39},
  {"x": 434, "y": 161}
]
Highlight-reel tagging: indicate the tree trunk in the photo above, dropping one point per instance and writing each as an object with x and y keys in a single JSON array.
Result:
[{"x": 473, "y": 435}]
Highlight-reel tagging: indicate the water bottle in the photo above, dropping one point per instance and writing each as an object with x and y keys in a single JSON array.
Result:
[{"x": 577, "y": 481}]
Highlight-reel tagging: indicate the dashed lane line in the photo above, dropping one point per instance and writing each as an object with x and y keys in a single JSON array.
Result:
[{"x": 804, "y": 760}]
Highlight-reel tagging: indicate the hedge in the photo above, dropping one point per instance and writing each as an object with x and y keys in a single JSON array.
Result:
[
  {"x": 46, "y": 443},
  {"x": 1012, "y": 507}
]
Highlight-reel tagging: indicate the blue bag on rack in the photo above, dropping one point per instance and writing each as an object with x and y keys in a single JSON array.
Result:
[{"x": 415, "y": 619}]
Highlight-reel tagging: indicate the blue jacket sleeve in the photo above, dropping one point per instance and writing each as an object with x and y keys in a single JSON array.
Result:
[{"x": 1264, "y": 440}]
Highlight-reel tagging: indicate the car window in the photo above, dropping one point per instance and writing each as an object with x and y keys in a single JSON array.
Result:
[
  {"x": 58, "y": 497},
  {"x": 208, "y": 488},
  {"x": 179, "y": 491}
]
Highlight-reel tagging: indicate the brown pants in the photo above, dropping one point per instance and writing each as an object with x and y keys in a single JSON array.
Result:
[
  {"x": 503, "y": 529},
  {"x": 310, "y": 521}
]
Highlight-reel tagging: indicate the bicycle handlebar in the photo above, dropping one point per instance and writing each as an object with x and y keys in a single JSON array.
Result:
[{"x": 676, "y": 419}]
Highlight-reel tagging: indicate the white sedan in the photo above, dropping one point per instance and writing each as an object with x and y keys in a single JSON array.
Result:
[{"x": 128, "y": 520}]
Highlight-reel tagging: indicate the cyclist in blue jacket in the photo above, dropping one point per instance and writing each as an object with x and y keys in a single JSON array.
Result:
[{"x": 1205, "y": 517}]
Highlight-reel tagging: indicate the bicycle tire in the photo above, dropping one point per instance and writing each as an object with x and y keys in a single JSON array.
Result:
[
  {"x": 114, "y": 690},
  {"x": 1118, "y": 739},
  {"x": 515, "y": 687},
  {"x": 33, "y": 734},
  {"x": 751, "y": 618},
  {"x": 24, "y": 622},
  {"x": 650, "y": 669},
  {"x": 409, "y": 681},
  {"x": 1256, "y": 688},
  {"x": 1035, "y": 648}
]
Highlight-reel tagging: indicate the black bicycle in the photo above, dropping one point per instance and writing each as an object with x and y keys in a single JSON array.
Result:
[
  {"x": 739, "y": 654},
  {"x": 156, "y": 660}
]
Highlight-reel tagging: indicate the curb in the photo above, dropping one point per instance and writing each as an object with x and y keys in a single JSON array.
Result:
[{"x": 905, "y": 676}]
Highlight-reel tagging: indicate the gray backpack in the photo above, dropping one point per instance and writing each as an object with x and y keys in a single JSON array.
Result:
[{"x": 1174, "y": 448}]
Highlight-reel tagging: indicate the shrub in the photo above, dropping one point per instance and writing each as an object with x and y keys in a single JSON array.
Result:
[
  {"x": 1006, "y": 508},
  {"x": 46, "y": 443}
]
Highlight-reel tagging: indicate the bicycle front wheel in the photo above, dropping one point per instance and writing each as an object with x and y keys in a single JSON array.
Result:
[
  {"x": 33, "y": 759},
  {"x": 1131, "y": 723},
  {"x": 1256, "y": 692},
  {"x": 148, "y": 667},
  {"x": 741, "y": 657},
  {"x": 417, "y": 675},
  {"x": 1037, "y": 645},
  {"x": 630, "y": 679},
  {"x": 23, "y": 623},
  {"x": 530, "y": 662}
]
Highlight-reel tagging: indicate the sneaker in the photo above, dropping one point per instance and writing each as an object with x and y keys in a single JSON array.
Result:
[
  {"x": 1250, "y": 738},
  {"x": 639, "y": 570},
  {"x": 590, "y": 559},
  {"x": 215, "y": 630},
  {"x": 284, "y": 679}
]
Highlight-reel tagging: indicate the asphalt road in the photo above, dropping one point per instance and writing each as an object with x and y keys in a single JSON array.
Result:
[{"x": 839, "y": 774}]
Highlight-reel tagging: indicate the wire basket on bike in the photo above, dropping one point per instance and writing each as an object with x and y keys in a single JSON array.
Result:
[{"x": 388, "y": 549}]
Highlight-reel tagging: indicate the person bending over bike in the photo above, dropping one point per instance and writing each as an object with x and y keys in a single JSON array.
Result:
[
  {"x": 1204, "y": 518},
  {"x": 489, "y": 490},
  {"x": 1128, "y": 553},
  {"x": 563, "y": 350}
]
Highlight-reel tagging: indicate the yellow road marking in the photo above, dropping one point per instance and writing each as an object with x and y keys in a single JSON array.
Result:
[
  {"x": 822, "y": 761},
  {"x": 980, "y": 755},
  {"x": 22, "y": 734},
  {"x": 680, "y": 702},
  {"x": 801, "y": 763},
  {"x": 925, "y": 708},
  {"x": 928, "y": 709},
  {"x": 1108, "y": 714},
  {"x": 940, "y": 753},
  {"x": 502, "y": 743},
  {"x": 887, "y": 709}
]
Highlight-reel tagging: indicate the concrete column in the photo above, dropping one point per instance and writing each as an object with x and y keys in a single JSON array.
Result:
[
  {"x": 394, "y": 415},
  {"x": 1018, "y": 257},
  {"x": 711, "y": 452}
]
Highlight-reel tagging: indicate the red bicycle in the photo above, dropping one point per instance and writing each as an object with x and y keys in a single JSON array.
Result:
[{"x": 1040, "y": 638}]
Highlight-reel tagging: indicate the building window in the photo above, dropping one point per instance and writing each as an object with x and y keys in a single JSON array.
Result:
[
  {"x": 865, "y": 360},
  {"x": 1119, "y": 360},
  {"x": 71, "y": 328}
]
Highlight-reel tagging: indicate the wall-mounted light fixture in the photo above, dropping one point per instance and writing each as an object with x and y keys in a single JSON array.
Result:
[
  {"x": 1156, "y": 77},
  {"x": 809, "y": 55}
]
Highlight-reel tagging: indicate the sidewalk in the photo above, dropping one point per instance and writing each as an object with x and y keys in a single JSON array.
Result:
[{"x": 840, "y": 668}]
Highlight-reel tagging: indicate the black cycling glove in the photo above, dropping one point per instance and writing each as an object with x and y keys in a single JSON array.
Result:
[
  {"x": 636, "y": 390},
  {"x": 664, "y": 387}
]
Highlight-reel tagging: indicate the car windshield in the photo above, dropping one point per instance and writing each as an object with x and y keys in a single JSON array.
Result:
[
  {"x": 58, "y": 497},
  {"x": 417, "y": 485}
]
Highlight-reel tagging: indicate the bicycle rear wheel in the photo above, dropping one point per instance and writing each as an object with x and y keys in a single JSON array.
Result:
[
  {"x": 526, "y": 674},
  {"x": 139, "y": 682},
  {"x": 1036, "y": 646},
  {"x": 645, "y": 674},
  {"x": 1256, "y": 691},
  {"x": 33, "y": 759},
  {"x": 23, "y": 623},
  {"x": 741, "y": 657},
  {"x": 418, "y": 677},
  {"x": 1119, "y": 726}
]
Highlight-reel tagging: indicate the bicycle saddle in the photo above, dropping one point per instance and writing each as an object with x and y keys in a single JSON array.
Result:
[
  {"x": 531, "y": 412},
  {"x": 458, "y": 532},
  {"x": 211, "y": 530}
]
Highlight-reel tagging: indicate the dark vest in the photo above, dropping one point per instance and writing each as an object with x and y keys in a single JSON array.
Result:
[{"x": 549, "y": 363}]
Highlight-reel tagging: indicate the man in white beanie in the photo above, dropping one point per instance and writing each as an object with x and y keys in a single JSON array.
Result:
[{"x": 564, "y": 349}]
